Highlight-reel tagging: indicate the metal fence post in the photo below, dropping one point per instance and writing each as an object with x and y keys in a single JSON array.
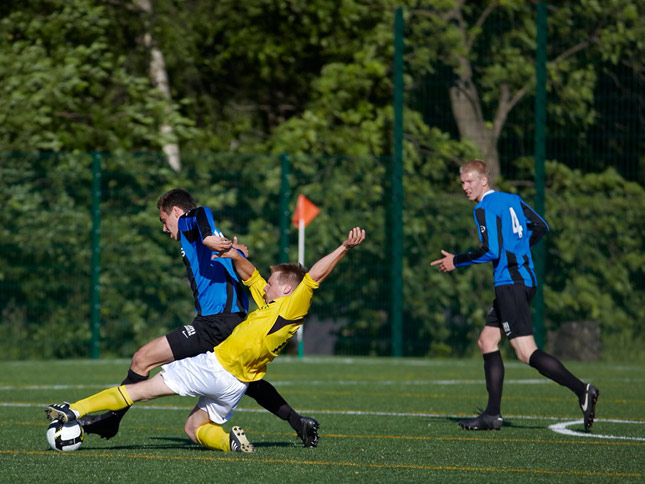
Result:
[
  {"x": 539, "y": 251},
  {"x": 396, "y": 214},
  {"x": 95, "y": 301}
]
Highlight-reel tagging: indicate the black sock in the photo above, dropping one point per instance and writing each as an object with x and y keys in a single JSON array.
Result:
[
  {"x": 494, "y": 372},
  {"x": 268, "y": 397},
  {"x": 294, "y": 421},
  {"x": 551, "y": 368},
  {"x": 133, "y": 378}
]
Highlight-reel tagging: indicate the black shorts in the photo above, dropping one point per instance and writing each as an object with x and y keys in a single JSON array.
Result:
[
  {"x": 203, "y": 334},
  {"x": 511, "y": 310}
]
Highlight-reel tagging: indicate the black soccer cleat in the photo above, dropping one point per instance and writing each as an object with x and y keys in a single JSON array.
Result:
[
  {"x": 309, "y": 431},
  {"x": 62, "y": 412},
  {"x": 238, "y": 441},
  {"x": 105, "y": 425},
  {"x": 483, "y": 422},
  {"x": 588, "y": 405}
]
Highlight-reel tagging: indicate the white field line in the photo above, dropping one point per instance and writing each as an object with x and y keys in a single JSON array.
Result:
[
  {"x": 345, "y": 412},
  {"x": 280, "y": 383},
  {"x": 560, "y": 427},
  {"x": 330, "y": 361},
  {"x": 301, "y": 383}
]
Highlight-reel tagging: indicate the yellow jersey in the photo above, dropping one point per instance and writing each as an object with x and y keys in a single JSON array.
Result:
[{"x": 257, "y": 340}]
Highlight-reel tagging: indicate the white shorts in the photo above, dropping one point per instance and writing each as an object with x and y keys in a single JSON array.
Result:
[{"x": 203, "y": 376}]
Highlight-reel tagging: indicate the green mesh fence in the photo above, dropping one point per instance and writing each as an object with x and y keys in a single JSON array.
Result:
[
  {"x": 47, "y": 250},
  {"x": 593, "y": 187},
  {"x": 470, "y": 73}
]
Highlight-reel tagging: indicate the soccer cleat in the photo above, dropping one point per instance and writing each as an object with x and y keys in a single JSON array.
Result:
[
  {"x": 105, "y": 425},
  {"x": 239, "y": 442},
  {"x": 309, "y": 431},
  {"x": 62, "y": 412},
  {"x": 588, "y": 405},
  {"x": 483, "y": 422}
]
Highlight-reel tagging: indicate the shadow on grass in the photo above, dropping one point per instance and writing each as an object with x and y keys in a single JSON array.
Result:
[
  {"x": 173, "y": 443},
  {"x": 275, "y": 444},
  {"x": 179, "y": 443},
  {"x": 505, "y": 424}
]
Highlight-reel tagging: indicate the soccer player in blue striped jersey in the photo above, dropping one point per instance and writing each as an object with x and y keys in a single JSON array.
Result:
[
  {"x": 220, "y": 305},
  {"x": 215, "y": 285},
  {"x": 508, "y": 228}
]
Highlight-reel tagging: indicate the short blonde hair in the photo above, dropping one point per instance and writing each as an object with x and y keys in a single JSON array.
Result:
[
  {"x": 475, "y": 165},
  {"x": 289, "y": 273}
]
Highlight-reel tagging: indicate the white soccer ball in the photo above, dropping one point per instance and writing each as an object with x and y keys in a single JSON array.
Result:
[{"x": 65, "y": 437}]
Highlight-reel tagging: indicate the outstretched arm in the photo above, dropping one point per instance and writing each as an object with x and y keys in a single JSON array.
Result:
[{"x": 321, "y": 269}]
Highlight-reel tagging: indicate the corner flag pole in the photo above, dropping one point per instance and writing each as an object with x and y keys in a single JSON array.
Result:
[
  {"x": 305, "y": 212},
  {"x": 301, "y": 260}
]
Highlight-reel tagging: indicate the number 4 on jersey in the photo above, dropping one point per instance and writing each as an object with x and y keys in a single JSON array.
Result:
[{"x": 517, "y": 226}]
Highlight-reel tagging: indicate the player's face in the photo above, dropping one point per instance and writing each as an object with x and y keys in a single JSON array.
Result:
[
  {"x": 169, "y": 221},
  {"x": 474, "y": 185},
  {"x": 273, "y": 289}
]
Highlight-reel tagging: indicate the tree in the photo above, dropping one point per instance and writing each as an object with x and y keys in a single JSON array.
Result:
[
  {"x": 312, "y": 79},
  {"x": 160, "y": 80},
  {"x": 489, "y": 48},
  {"x": 71, "y": 80}
]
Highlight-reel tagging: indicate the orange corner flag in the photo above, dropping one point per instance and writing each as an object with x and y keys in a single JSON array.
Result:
[{"x": 305, "y": 210}]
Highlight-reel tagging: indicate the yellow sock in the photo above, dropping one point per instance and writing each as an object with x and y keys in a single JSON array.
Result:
[
  {"x": 213, "y": 436},
  {"x": 114, "y": 398}
]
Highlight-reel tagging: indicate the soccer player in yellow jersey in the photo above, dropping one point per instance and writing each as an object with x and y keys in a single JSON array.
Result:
[{"x": 220, "y": 377}]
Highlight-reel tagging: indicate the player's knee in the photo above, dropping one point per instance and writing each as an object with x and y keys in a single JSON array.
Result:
[
  {"x": 481, "y": 345},
  {"x": 486, "y": 345},
  {"x": 140, "y": 361}
]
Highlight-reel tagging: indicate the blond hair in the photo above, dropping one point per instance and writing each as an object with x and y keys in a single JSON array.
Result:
[
  {"x": 289, "y": 273},
  {"x": 478, "y": 166}
]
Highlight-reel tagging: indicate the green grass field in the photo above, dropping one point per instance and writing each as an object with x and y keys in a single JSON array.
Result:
[{"x": 382, "y": 420}]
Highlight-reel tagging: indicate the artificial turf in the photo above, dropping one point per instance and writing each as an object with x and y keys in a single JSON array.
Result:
[{"x": 382, "y": 420}]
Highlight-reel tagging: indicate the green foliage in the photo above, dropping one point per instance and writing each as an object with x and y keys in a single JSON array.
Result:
[
  {"x": 67, "y": 83},
  {"x": 493, "y": 46},
  {"x": 312, "y": 79},
  {"x": 594, "y": 264},
  {"x": 242, "y": 69},
  {"x": 45, "y": 252},
  {"x": 596, "y": 254}
]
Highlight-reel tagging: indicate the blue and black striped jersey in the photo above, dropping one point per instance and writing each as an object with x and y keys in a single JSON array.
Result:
[
  {"x": 508, "y": 228},
  {"x": 216, "y": 287}
]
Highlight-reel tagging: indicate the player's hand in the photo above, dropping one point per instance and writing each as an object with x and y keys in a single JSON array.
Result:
[
  {"x": 236, "y": 251},
  {"x": 355, "y": 237},
  {"x": 217, "y": 244},
  {"x": 241, "y": 247},
  {"x": 446, "y": 264}
]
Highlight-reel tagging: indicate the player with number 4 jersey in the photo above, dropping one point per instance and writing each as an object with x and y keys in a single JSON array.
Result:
[{"x": 508, "y": 228}]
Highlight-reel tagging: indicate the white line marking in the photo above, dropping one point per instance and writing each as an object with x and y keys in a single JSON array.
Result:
[
  {"x": 316, "y": 359},
  {"x": 285, "y": 383},
  {"x": 51, "y": 387},
  {"x": 561, "y": 428},
  {"x": 346, "y": 412}
]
